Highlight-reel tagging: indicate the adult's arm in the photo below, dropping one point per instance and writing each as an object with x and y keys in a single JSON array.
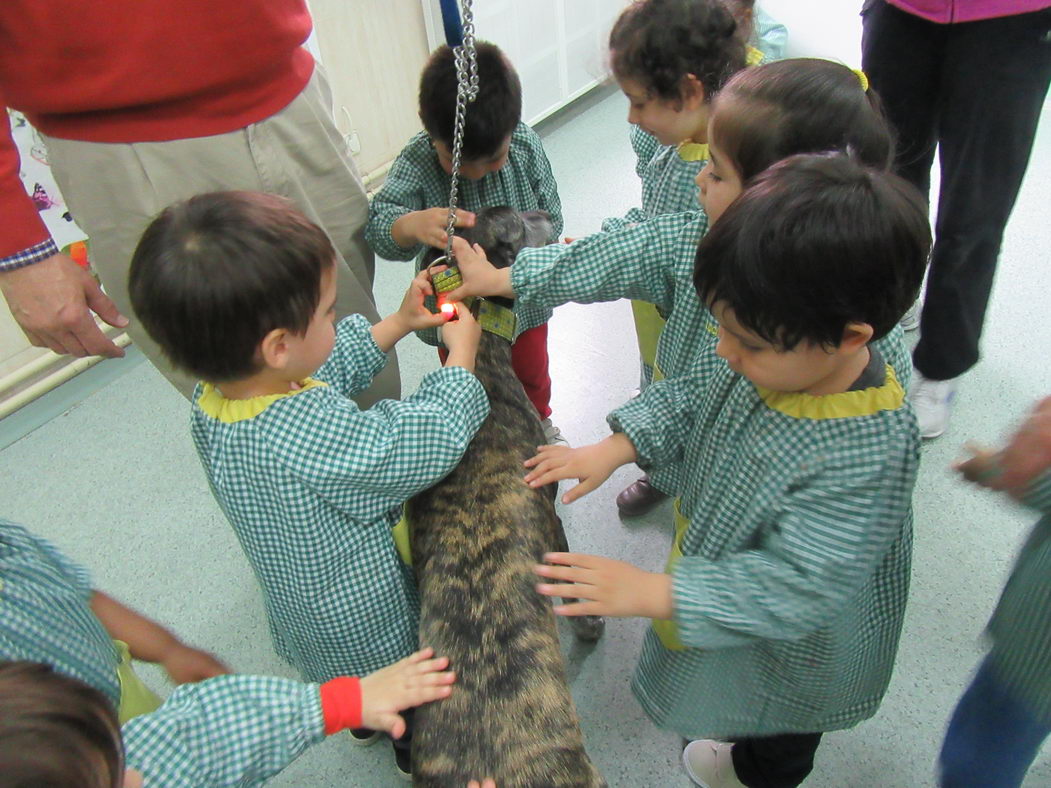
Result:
[{"x": 50, "y": 296}]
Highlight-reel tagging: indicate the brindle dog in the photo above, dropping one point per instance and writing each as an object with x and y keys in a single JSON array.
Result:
[{"x": 475, "y": 538}]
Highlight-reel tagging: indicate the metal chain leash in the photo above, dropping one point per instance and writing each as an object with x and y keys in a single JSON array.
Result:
[{"x": 466, "y": 60}]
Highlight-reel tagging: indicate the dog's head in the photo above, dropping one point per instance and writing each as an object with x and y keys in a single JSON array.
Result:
[{"x": 503, "y": 232}]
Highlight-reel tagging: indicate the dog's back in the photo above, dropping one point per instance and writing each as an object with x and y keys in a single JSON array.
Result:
[{"x": 475, "y": 538}]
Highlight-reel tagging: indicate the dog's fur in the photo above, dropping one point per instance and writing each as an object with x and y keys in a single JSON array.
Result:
[{"x": 475, "y": 538}]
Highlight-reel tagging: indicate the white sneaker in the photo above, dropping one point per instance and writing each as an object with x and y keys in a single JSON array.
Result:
[
  {"x": 910, "y": 321},
  {"x": 710, "y": 764},
  {"x": 552, "y": 434},
  {"x": 932, "y": 400}
]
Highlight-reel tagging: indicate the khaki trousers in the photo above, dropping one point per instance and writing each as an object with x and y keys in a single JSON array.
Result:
[{"x": 115, "y": 190}]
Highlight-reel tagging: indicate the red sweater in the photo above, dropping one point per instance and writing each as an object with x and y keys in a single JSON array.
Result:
[{"x": 140, "y": 71}]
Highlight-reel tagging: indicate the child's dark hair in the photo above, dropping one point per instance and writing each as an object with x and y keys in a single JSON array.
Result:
[
  {"x": 56, "y": 731},
  {"x": 213, "y": 275},
  {"x": 801, "y": 105},
  {"x": 815, "y": 243},
  {"x": 490, "y": 118},
  {"x": 658, "y": 42}
]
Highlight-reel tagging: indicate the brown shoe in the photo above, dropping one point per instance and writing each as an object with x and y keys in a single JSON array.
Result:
[{"x": 639, "y": 498}]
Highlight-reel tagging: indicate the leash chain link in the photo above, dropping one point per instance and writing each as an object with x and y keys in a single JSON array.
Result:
[{"x": 466, "y": 60}]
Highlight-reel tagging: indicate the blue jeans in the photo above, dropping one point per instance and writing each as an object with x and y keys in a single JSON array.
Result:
[{"x": 992, "y": 737}]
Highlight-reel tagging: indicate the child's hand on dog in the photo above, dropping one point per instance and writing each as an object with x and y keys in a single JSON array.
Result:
[
  {"x": 427, "y": 227},
  {"x": 604, "y": 587},
  {"x": 479, "y": 276},
  {"x": 419, "y": 678},
  {"x": 590, "y": 465}
]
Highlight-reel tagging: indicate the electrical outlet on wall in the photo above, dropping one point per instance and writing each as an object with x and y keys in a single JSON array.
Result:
[{"x": 351, "y": 137}]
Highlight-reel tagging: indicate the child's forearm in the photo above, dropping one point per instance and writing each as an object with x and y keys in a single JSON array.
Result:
[
  {"x": 619, "y": 448},
  {"x": 402, "y": 232},
  {"x": 147, "y": 640},
  {"x": 389, "y": 331},
  {"x": 461, "y": 357},
  {"x": 658, "y": 596}
]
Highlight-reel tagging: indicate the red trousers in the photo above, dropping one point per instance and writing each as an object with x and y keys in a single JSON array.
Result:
[{"x": 529, "y": 361}]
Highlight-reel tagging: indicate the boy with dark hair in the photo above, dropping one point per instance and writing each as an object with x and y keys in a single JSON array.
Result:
[
  {"x": 238, "y": 287},
  {"x": 503, "y": 163},
  {"x": 778, "y": 616}
]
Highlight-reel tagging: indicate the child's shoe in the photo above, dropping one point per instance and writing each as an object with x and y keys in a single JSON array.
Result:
[
  {"x": 710, "y": 764},
  {"x": 552, "y": 434},
  {"x": 363, "y": 737},
  {"x": 638, "y": 498},
  {"x": 932, "y": 400}
]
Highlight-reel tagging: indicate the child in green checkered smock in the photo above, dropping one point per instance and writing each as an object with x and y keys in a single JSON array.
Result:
[
  {"x": 670, "y": 59},
  {"x": 503, "y": 164},
  {"x": 226, "y": 731},
  {"x": 779, "y": 613},
  {"x": 50, "y": 613},
  {"x": 238, "y": 289}
]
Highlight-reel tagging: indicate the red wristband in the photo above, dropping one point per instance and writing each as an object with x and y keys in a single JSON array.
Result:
[{"x": 341, "y": 704}]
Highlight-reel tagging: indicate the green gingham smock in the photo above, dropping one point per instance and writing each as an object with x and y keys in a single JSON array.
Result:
[
  {"x": 46, "y": 615},
  {"x": 651, "y": 261},
  {"x": 668, "y": 179},
  {"x": 416, "y": 181},
  {"x": 226, "y": 731},
  {"x": 790, "y": 592},
  {"x": 1021, "y": 625},
  {"x": 312, "y": 486}
]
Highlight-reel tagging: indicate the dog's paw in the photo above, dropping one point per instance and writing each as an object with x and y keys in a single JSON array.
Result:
[{"x": 588, "y": 628}]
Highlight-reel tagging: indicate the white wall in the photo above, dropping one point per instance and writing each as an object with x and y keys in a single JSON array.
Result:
[{"x": 820, "y": 28}]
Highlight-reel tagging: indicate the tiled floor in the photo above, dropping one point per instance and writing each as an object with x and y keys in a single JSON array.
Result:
[{"x": 115, "y": 482}]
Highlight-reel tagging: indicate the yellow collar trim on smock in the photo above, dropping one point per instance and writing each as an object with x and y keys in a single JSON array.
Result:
[
  {"x": 753, "y": 57},
  {"x": 230, "y": 411},
  {"x": 849, "y": 404},
  {"x": 693, "y": 151}
]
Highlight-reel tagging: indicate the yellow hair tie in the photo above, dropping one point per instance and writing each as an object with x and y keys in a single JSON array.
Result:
[{"x": 864, "y": 80}]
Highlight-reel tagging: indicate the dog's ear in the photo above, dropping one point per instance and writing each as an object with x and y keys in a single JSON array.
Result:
[{"x": 537, "y": 227}]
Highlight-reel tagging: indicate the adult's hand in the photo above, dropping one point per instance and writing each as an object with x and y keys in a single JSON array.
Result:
[{"x": 53, "y": 300}]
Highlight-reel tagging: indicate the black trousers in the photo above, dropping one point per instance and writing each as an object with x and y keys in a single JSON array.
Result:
[
  {"x": 976, "y": 89},
  {"x": 775, "y": 761}
]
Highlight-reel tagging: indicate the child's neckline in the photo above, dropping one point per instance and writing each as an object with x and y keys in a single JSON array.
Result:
[{"x": 229, "y": 411}]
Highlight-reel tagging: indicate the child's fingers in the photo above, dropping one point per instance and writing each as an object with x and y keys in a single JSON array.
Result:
[
  {"x": 568, "y": 574},
  {"x": 392, "y": 724},
  {"x": 583, "y": 608},
  {"x": 567, "y": 590},
  {"x": 428, "y": 667},
  {"x": 421, "y": 695},
  {"x": 578, "y": 491},
  {"x": 464, "y": 218},
  {"x": 424, "y": 653},
  {"x": 546, "y": 471}
]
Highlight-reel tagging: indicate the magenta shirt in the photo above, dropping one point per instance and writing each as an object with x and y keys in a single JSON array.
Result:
[{"x": 949, "y": 11}]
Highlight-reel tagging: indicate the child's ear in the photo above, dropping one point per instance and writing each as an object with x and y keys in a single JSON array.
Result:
[
  {"x": 855, "y": 337},
  {"x": 693, "y": 93},
  {"x": 274, "y": 349}
]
